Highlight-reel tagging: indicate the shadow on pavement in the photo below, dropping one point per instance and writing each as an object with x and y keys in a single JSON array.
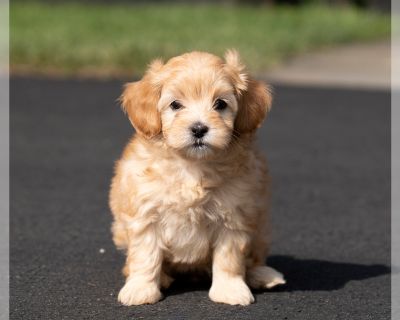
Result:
[
  {"x": 300, "y": 274},
  {"x": 321, "y": 275}
]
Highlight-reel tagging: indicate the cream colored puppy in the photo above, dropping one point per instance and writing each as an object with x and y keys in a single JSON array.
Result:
[{"x": 190, "y": 192}]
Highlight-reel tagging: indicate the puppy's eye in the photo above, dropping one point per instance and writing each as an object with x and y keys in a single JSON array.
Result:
[
  {"x": 220, "y": 105},
  {"x": 175, "y": 105}
]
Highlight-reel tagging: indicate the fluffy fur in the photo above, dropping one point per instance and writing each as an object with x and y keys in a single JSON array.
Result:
[{"x": 184, "y": 204}]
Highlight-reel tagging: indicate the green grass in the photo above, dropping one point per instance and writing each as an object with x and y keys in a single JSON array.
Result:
[{"x": 74, "y": 38}]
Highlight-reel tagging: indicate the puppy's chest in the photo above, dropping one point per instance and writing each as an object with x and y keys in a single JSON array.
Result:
[
  {"x": 198, "y": 197},
  {"x": 192, "y": 206},
  {"x": 192, "y": 211},
  {"x": 187, "y": 189}
]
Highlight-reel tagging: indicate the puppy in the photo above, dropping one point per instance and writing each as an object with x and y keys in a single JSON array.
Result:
[{"x": 190, "y": 192}]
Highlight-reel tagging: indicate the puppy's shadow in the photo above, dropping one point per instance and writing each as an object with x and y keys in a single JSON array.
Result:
[
  {"x": 322, "y": 275},
  {"x": 186, "y": 283},
  {"x": 300, "y": 274}
]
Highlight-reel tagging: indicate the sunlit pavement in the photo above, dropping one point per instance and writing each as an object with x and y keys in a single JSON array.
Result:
[{"x": 362, "y": 66}]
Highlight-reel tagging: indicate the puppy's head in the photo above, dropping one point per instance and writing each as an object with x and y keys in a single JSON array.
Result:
[{"x": 197, "y": 103}]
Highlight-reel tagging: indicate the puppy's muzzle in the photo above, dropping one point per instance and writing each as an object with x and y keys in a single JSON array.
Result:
[{"x": 199, "y": 130}]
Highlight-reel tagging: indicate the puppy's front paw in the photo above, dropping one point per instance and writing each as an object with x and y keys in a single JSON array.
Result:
[
  {"x": 135, "y": 293},
  {"x": 264, "y": 277},
  {"x": 231, "y": 290}
]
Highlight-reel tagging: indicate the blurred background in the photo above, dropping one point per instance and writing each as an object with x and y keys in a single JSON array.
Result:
[{"x": 118, "y": 38}]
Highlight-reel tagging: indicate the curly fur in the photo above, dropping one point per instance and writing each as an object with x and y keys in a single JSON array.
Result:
[{"x": 178, "y": 207}]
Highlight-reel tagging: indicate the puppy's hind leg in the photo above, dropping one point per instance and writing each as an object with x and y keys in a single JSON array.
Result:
[
  {"x": 259, "y": 277},
  {"x": 120, "y": 235}
]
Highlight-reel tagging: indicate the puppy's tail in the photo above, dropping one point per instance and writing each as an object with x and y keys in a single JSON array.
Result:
[{"x": 261, "y": 277}]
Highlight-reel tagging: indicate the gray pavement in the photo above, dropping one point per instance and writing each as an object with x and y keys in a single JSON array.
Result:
[
  {"x": 329, "y": 156},
  {"x": 353, "y": 66}
]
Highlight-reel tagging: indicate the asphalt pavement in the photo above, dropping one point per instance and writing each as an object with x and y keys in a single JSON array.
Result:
[{"x": 329, "y": 158}]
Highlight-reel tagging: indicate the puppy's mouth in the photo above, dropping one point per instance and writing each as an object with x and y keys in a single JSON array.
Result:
[
  {"x": 199, "y": 144},
  {"x": 199, "y": 149}
]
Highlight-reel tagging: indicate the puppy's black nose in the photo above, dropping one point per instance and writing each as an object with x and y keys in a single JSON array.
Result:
[{"x": 199, "y": 130}]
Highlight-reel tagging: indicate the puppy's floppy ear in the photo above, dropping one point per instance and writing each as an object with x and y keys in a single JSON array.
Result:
[
  {"x": 254, "y": 103},
  {"x": 254, "y": 97},
  {"x": 139, "y": 100}
]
